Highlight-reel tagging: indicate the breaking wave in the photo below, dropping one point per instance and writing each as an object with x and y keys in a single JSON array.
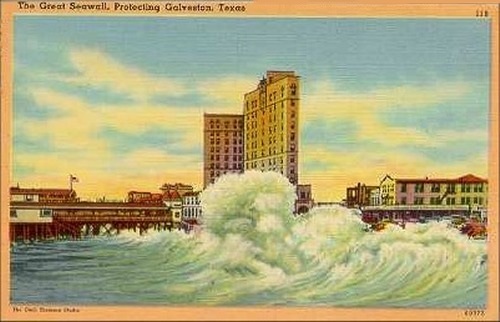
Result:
[{"x": 253, "y": 251}]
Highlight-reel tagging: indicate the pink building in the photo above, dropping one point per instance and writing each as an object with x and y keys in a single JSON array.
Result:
[{"x": 465, "y": 190}]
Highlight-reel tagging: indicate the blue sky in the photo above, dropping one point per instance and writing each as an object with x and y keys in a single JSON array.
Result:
[{"x": 119, "y": 100}]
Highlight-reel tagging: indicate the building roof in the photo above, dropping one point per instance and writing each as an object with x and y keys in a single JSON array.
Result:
[
  {"x": 40, "y": 191},
  {"x": 222, "y": 115},
  {"x": 140, "y": 192},
  {"x": 468, "y": 178},
  {"x": 191, "y": 194},
  {"x": 171, "y": 195}
]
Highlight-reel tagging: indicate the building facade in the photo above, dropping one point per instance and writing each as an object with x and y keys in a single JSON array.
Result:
[
  {"x": 359, "y": 195},
  {"x": 223, "y": 146},
  {"x": 173, "y": 203},
  {"x": 304, "y": 201},
  {"x": 144, "y": 197},
  {"x": 178, "y": 187},
  {"x": 44, "y": 195},
  {"x": 467, "y": 190},
  {"x": 375, "y": 199},
  {"x": 271, "y": 125},
  {"x": 191, "y": 207}
]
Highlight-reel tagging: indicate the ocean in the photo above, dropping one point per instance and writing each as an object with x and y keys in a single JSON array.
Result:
[{"x": 253, "y": 252}]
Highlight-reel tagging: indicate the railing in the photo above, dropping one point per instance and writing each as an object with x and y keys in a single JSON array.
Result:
[
  {"x": 108, "y": 219},
  {"x": 417, "y": 207}
]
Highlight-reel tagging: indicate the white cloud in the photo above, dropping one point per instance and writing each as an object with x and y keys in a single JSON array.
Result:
[
  {"x": 325, "y": 103},
  {"x": 99, "y": 69}
]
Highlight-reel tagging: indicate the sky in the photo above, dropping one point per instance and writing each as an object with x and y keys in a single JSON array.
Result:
[{"x": 119, "y": 101}]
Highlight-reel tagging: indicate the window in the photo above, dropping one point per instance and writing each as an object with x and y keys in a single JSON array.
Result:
[
  {"x": 435, "y": 201},
  {"x": 403, "y": 188},
  {"x": 419, "y": 201},
  {"x": 419, "y": 187},
  {"x": 435, "y": 187},
  {"x": 450, "y": 188},
  {"x": 46, "y": 213},
  {"x": 450, "y": 201},
  {"x": 13, "y": 213},
  {"x": 403, "y": 201}
]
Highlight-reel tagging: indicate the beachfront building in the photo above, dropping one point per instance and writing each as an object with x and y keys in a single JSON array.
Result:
[
  {"x": 173, "y": 203},
  {"x": 191, "y": 207},
  {"x": 144, "y": 197},
  {"x": 271, "y": 120},
  {"x": 223, "y": 146},
  {"x": 359, "y": 195},
  {"x": 467, "y": 190},
  {"x": 304, "y": 201},
  {"x": 43, "y": 195},
  {"x": 180, "y": 188}
]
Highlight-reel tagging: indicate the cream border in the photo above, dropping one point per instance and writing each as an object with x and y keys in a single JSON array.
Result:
[{"x": 311, "y": 8}]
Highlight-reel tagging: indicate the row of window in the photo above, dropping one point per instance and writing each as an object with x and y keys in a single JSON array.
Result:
[
  {"x": 227, "y": 150},
  {"x": 449, "y": 201},
  {"x": 450, "y": 187},
  {"x": 226, "y": 157},
  {"x": 272, "y": 151},
  {"x": 227, "y": 166},
  {"x": 226, "y": 133},
  {"x": 226, "y": 141},
  {"x": 191, "y": 201},
  {"x": 191, "y": 212},
  {"x": 215, "y": 174},
  {"x": 236, "y": 123}
]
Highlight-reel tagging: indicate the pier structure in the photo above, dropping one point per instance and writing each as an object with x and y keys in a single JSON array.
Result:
[{"x": 73, "y": 220}]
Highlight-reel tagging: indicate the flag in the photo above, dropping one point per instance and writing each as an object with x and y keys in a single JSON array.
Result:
[{"x": 72, "y": 178}]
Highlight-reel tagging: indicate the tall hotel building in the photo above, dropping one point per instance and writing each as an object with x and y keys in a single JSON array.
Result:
[
  {"x": 271, "y": 118},
  {"x": 223, "y": 145}
]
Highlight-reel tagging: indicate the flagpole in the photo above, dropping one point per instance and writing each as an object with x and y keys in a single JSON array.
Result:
[{"x": 70, "y": 182}]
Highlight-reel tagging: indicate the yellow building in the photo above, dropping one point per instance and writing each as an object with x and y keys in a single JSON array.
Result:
[
  {"x": 271, "y": 125},
  {"x": 387, "y": 191}
]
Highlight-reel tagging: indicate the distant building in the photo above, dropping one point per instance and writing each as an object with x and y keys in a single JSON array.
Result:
[
  {"x": 466, "y": 190},
  {"x": 304, "y": 201},
  {"x": 44, "y": 195},
  {"x": 388, "y": 191},
  {"x": 173, "y": 202},
  {"x": 375, "y": 199},
  {"x": 271, "y": 117},
  {"x": 222, "y": 145},
  {"x": 191, "y": 207},
  {"x": 359, "y": 195},
  {"x": 144, "y": 197},
  {"x": 178, "y": 187}
]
